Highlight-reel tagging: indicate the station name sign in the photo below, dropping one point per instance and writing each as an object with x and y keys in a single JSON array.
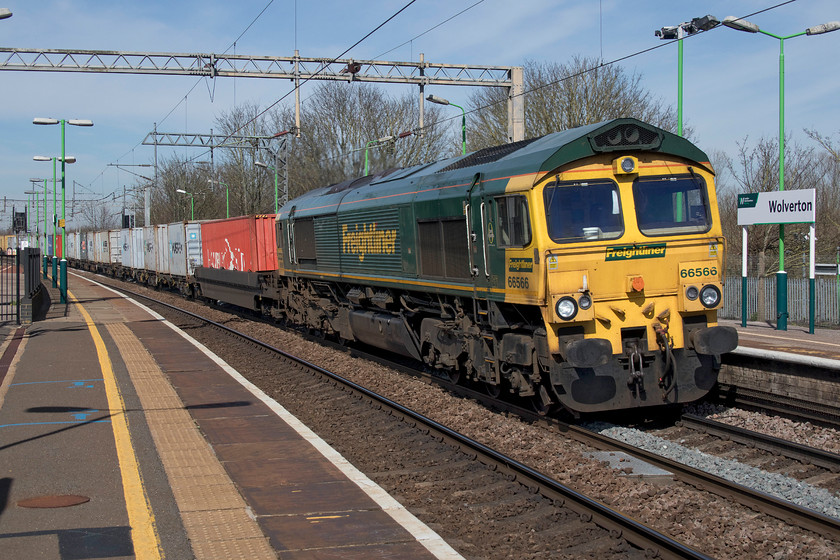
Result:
[{"x": 777, "y": 207}]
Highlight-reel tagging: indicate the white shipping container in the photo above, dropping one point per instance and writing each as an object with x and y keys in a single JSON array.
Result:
[
  {"x": 162, "y": 245},
  {"x": 149, "y": 249},
  {"x": 192, "y": 233},
  {"x": 137, "y": 248},
  {"x": 114, "y": 247},
  {"x": 125, "y": 246},
  {"x": 177, "y": 250},
  {"x": 73, "y": 245},
  {"x": 86, "y": 239},
  {"x": 100, "y": 247}
]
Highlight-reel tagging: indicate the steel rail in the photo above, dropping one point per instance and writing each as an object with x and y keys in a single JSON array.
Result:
[
  {"x": 778, "y": 446},
  {"x": 789, "y": 406},
  {"x": 759, "y": 501},
  {"x": 653, "y": 542}
]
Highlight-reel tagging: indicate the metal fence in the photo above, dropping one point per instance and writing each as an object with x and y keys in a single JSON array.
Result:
[
  {"x": 827, "y": 307},
  {"x": 10, "y": 280}
]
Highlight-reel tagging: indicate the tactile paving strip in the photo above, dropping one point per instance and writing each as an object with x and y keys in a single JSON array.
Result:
[{"x": 214, "y": 513}]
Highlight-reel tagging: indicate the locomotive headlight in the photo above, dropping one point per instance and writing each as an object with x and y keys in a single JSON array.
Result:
[
  {"x": 566, "y": 308},
  {"x": 710, "y": 296},
  {"x": 625, "y": 165},
  {"x": 692, "y": 292},
  {"x": 585, "y": 302}
]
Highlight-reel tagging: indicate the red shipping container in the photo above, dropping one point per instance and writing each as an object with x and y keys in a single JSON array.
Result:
[{"x": 246, "y": 243}]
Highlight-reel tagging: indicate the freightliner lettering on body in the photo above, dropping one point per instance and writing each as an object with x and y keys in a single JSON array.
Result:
[
  {"x": 368, "y": 241},
  {"x": 628, "y": 252}
]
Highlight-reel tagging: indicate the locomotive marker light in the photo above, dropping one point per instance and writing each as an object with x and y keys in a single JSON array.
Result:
[
  {"x": 442, "y": 101},
  {"x": 679, "y": 32},
  {"x": 749, "y": 27},
  {"x": 74, "y": 122}
]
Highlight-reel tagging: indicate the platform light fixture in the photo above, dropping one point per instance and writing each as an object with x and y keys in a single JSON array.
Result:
[
  {"x": 442, "y": 101},
  {"x": 192, "y": 202},
  {"x": 679, "y": 32},
  {"x": 62, "y": 122},
  {"x": 740, "y": 24}
]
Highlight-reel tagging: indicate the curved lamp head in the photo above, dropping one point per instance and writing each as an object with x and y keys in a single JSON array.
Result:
[
  {"x": 67, "y": 159},
  {"x": 181, "y": 191},
  {"x": 5, "y": 13},
  {"x": 823, "y": 28},
  {"x": 438, "y": 100},
  {"x": 74, "y": 122},
  {"x": 740, "y": 24}
]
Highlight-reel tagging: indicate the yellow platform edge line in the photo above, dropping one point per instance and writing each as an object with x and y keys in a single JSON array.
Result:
[{"x": 144, "y": 533}]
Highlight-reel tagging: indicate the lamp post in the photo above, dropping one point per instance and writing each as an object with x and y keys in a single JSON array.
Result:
[
  {"x": 31, "y": 192},
  {"x": 374, "y": 143},
  {"x": 679, "y": 32},
  {"x": 744, "y": 25},
  {"x": 227, "y": 195},
  {"x": 68, "y": 159},
  {"x": 34, "y": 184},
  {"x": 192, "y": 202},
  {"x": 74, "y": 122},
  {"x": 442, "y": 101}
]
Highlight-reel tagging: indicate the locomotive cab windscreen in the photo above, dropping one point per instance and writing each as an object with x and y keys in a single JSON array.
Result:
[
  {"x": 583, "y": 211},
  {"x": 671, "y": 205}
]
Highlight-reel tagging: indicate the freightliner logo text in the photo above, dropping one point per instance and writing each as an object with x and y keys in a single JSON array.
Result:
[{"x": 629, "y": 252}]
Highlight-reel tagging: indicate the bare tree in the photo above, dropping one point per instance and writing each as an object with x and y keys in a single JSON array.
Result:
[
  {"x": 563, "y": 96},
  {"x": 235, "y": 176},
  {"x": 98, "y": 215},
  {"x": 201, "y": 200},
  {"x": 339, "y": 120}
]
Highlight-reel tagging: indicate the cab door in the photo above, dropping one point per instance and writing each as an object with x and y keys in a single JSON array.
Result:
[{"x": 477, "y": 213}]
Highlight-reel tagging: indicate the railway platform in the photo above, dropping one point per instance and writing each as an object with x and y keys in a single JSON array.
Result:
[
  {"x": 121, "y": 437},
  {"x": 824, "y": 344}
]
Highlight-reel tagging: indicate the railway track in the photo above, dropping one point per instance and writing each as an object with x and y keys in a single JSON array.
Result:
[
  {"x": 807, "y": 411},
  {"x": 817, "y": 524},
  {"x": 494, "y": 486},
  {"x": 776, "y": 446}
]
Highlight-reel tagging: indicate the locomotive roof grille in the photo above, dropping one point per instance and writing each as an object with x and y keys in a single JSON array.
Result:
[
  {"x": 624, "y": 136},
  {"x": 487, "y": 155}
]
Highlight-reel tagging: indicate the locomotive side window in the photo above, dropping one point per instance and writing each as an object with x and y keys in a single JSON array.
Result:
[
  {"x": 583, "y": 211},
  {"x": 671, "y": 205},
  {"x": 513, "y": 220}
]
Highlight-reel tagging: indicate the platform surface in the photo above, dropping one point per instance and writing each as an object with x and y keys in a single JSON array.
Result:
[
  {"x": 823, "y": 343},
  {"x": 121, "y": 437}
]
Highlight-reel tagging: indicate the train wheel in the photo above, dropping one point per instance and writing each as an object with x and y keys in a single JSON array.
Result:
[
  {"x": 454, "y": 375},
  {"x": 493, "y": 390}
]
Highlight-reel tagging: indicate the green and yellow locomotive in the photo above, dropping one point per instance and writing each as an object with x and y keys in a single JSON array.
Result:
[{"x": 583, "y": 268}]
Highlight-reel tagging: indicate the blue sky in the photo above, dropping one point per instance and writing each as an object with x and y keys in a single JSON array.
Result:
[{"x": 730, "y": 88}]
